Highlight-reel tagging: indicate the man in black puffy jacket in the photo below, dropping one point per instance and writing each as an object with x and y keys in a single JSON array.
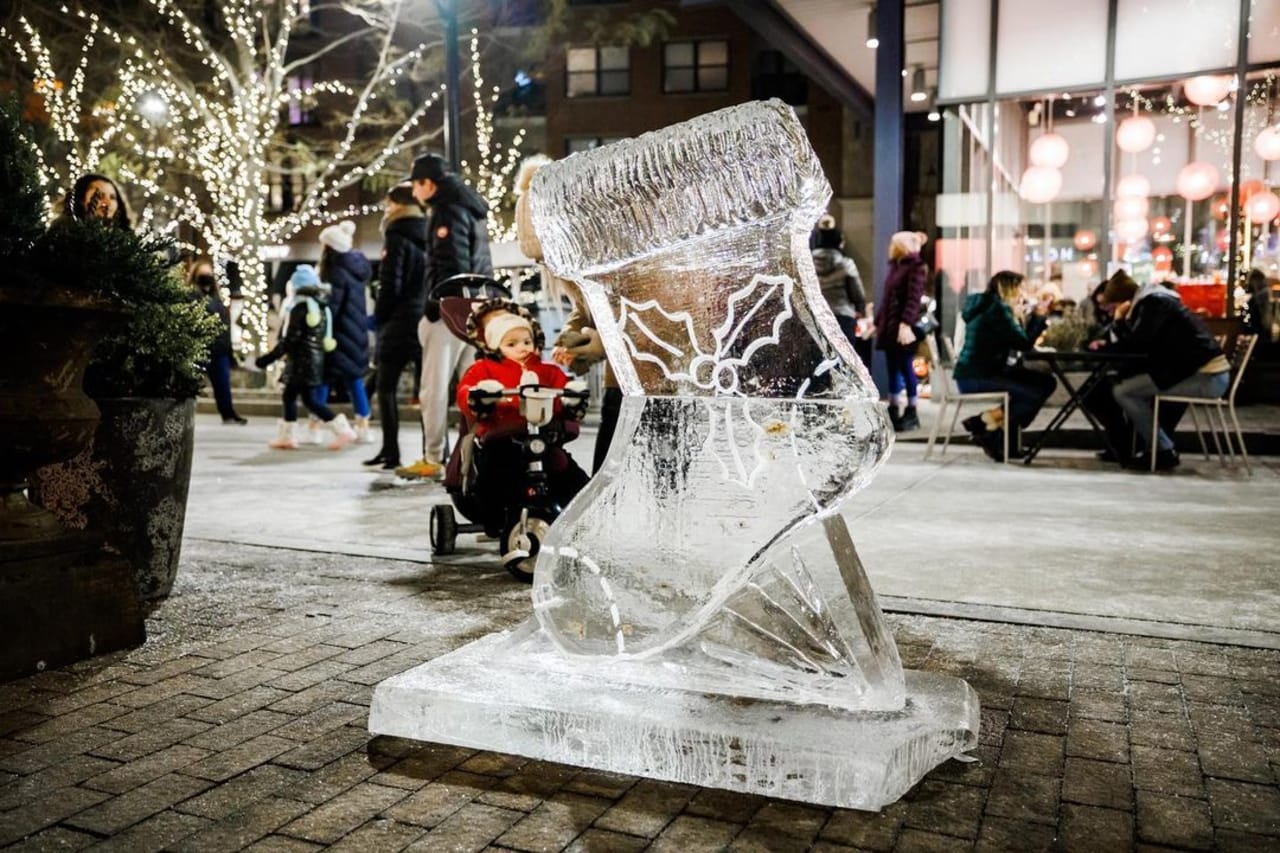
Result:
[
  {"x": 458, "y": 242},
  {"x": 402, "y": 281},
  {"x": 1181, "y": 358}
]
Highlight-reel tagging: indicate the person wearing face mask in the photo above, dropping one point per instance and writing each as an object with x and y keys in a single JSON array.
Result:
[{"x": 202, "y": 280}]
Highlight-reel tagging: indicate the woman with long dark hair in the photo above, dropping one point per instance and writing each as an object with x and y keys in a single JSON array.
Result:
[{"x": 96, "y": 197}]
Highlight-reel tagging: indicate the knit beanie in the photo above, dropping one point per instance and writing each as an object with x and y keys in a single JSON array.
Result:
[
  {"x": 339, "y": 236},
  {"x": 304, "y": 275},
  {"x": 1120, "y": 288},
  {"x": 497, "y": 326}
]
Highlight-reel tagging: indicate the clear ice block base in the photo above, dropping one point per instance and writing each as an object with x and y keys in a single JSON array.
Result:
[{"x": 514, "y": 693}]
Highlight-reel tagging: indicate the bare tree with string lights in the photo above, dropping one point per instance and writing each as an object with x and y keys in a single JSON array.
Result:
[{"x": 200, "y": 128}]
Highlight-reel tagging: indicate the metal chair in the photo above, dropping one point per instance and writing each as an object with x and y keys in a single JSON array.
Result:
[
  {"x": 1221, "y": 406},
  {"x": 944, "y": 393}
]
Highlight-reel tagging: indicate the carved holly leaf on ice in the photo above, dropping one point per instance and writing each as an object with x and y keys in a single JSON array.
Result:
[{"x": 669, "y": 340}]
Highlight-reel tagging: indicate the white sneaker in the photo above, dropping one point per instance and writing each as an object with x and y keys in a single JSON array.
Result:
[
  {"x": 343, "y": 434},
  {"x": 315, "y": 430},
  {"x": 363, "y": 433},
  {"x": 286, "y": 436}
]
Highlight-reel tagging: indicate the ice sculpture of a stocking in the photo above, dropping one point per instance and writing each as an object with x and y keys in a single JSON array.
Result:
[
  {"x": 747, "y": 419},
  {"x": 701, "y": 612}
]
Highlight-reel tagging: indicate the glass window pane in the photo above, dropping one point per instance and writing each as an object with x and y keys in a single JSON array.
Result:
[
  {"x": 1175, "y": 37},
  {"x": 966, "y": 46},
  {"x": 713, "y": 53},
  {"x": 1040, "y": 49},
  {"x": 713, "y": 79},
  {"x": 1161, "y": 235},
  {"x": 582, "y": 83},
  {"x": 677, "y": 80},
  {"x": 615, "y": 82},
  {"x": 678, "y": 53},
  {"x": 1264, "y": 31},
  {"x": 582, "y": 59},
  {"x": 614, "y": 57}
]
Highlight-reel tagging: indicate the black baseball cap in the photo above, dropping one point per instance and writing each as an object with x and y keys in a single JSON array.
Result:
[{"x": 431, "y": 167}]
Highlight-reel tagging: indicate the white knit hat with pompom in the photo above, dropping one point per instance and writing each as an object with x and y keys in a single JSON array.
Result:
[{"x": 339, "y": 237}]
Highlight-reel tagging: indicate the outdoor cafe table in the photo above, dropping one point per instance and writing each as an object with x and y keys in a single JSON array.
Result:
[{"x": 1096, "y": 364}]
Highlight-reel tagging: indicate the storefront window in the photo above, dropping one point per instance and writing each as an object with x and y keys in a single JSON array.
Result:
[
  {"x": 1065, "y": 170},
  {"x": 1260, "y": 175},
  {"x": 1042, "y": 46},
  {"x": 1175, "y": 37},
  {"x": 1264, "y": 31}
]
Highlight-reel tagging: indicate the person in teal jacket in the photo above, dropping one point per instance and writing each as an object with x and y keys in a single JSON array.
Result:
[{"x": 994, "y": 329}]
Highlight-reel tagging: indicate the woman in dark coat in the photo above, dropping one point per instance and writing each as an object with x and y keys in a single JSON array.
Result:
[
  {"x": 900, "y": 309},
  {"x": 401, "y": 301},
  {"x": 202, "y": 280},
  {"x": 347, "y": 272}
]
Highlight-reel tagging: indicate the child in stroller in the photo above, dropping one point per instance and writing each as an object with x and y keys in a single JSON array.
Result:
[{"x": 509, "y": 473}]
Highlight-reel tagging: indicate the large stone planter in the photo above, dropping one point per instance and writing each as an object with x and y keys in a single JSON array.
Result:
[
  {"x": 46, "y": 338},
  {"x": 131, "y": 484}
]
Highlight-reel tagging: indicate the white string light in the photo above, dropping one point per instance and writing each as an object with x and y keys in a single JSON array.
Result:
[{"x": 219, "y": 132}]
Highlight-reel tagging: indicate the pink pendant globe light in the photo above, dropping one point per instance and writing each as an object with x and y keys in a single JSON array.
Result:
[
  {"x": 1135, "y": 134},
  {"x": 1040, "y": 184},
  {"x": 1197, "y": 180},
  {"x": 1267, "y": 144},
  {"x": 1085, "y": 239},
  {"x": 1207, "y": 89},
  {"x": 1050, "y": 150},
  {"x": 1263, "y": 207}
]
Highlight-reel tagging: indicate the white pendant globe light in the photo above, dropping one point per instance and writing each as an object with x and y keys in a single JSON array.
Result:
[
  {"x": 1040, "y": 184},
  {"x": 1131, "y": 207},
  {"x": 1131, "y": 230},
  {"x": 1135, "y": 134},
  {"x": 1133, "y": 185},
  {"x": 1050, "y": 150},
  {"x": 1207, "y": 89},
  {"x": 1197, "y": 180},
  {"x": 1263, "y": 207},
  {"x": 1267, "y": 145}
]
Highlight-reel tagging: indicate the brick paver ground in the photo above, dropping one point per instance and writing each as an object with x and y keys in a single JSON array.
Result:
[{"x": 241, "y": 725}]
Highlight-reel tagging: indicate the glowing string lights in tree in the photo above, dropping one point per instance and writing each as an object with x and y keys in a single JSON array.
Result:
[
  {"x": 492, "y": 174},
  {"x": 209, "y": 133}
]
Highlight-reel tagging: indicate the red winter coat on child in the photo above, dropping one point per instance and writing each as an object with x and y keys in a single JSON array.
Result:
[{"x": 508, "y": 373}]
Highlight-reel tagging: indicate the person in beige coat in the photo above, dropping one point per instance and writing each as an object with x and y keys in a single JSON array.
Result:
[{"x": 578, "y": 346}]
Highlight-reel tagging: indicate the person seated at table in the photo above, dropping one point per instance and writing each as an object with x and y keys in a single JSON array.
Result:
[
  {"x": 1099, "y": 318},
  {"x": 995, "y": 325},
  {"x": 1181, "y": 358}
]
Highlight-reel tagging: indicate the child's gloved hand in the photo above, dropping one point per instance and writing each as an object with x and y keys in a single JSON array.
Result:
[
  {"x": 575, "y": 400},
  {"x": 483, "y": 397}
]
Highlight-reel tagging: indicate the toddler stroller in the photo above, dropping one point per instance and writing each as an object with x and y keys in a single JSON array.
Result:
[{"x": 514, "y": 482}]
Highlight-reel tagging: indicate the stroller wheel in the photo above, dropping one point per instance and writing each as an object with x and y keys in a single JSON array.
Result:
[
  {"x": 443, "y": 528},
  {"x": 521, "y": 542}
]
